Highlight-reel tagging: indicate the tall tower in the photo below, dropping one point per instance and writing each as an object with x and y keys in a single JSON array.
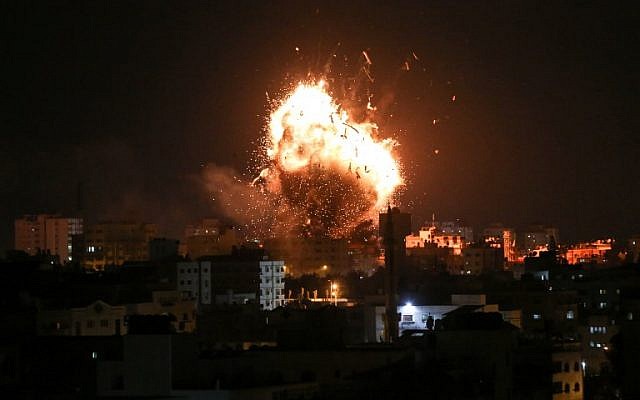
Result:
[{"x": 394, "y": 226}]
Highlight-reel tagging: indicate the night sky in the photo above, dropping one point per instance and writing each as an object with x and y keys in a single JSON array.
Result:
[{"x": 132, "y": 99}]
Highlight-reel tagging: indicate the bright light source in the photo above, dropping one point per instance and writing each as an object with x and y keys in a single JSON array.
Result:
[
  {"x": 324, "y": 267},
  {"x": 408, "y": 304}
]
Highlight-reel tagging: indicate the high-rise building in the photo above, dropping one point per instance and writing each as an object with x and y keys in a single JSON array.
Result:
[{"x": 47, "y": 233}]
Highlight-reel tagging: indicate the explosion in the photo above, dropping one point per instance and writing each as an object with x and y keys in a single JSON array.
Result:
[{"x": 329, "y": 173}]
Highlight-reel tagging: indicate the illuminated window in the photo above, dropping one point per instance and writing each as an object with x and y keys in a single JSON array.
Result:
[
  {"x": 537, "y": 316},
  {"x": 602, "y": 305},
  {"x": 603, "y": 291},
  {"x": 407, "y": 318},
  {"x": 570, "y": 314}
]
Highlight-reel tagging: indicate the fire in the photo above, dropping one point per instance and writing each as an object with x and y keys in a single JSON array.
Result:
[{"x": 330, "y": 171}]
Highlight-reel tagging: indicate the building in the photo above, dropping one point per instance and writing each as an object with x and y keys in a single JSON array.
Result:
[
  {"x": 433, "y": 235},
  {"x": 209, "y": 237},
  {"x": 102, "y": 319},
  {"x": 596, "y": 343},
  {"x": 114, "y": 243},
  {"x": 315, "y": 255},
  {"x": 163, "y": 249},
  {"x": 567, "y": 382},
  {"x": 233, "y": 279},
  {"x": 47, "y": 233},
  {"x": 589, "y": 253},
  {"x": 503, "y": 238},
  {"x": 479, "y": 260},
  {"x": 538, "y": 237}
]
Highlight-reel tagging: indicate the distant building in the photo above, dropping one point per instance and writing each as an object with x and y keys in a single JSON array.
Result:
[
  {"x": 163, "y": 248},
  {"x": 432, "y": 235},
  {"x": 102, "y": 319},
  {"x": 209, "y": 237},
  {"x": 233, "y": 279},
  {"x": 503, "y": 238},
  {"x": 114, "y": 243},
  {"x": 589, "y": 253},
  {"x": 538, "y": 237},
  {"x": 47, "y": 233},
  {"x": 479, "y": 260},
  {"x": 316, "y": 255}
]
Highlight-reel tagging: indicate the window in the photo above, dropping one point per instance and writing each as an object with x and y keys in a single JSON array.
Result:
[
  {"x": 567, "y": 388},
  {"x": 537, "y": 316},
  {"x": 570, "y": 314},
  {"x": 602, "y": 291},
  {"x": 90, "y": 323},
  {"x": 566, "y": 367},
  {"x": 407, "y": 318},
  {"x": 557, "y": 367},
  {"x": 576, "y": 387},
  {"x": 576, "y": 366},
  {"x": 104, "y": 323},
  {"x": 557, "y": 387},
  {"x": 602, "y": 305}
]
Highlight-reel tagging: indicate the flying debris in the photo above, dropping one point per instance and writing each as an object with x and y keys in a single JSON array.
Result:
[{"x": 366, "y": 57}]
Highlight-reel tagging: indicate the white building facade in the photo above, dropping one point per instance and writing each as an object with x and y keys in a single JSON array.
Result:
[
  {"x": 271, "y": 284},
  {"x": 196, "y": 279}
]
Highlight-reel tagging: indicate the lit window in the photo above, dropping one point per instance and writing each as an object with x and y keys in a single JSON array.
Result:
[
  {"x": 570, "y": 314},
  {"x": 537, "y": 316},
  {"x": 407, "y": 318},
  {"x": 630, "y": 316},
  {"x": 603, "y": 291},
  {"x": 602, "y": 305}
]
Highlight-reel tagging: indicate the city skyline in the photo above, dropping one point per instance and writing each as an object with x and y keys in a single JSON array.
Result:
[{"x": 517, "y": 113}]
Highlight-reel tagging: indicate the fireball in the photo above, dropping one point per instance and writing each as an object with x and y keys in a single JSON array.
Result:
[{"x": 329, "y": 172}]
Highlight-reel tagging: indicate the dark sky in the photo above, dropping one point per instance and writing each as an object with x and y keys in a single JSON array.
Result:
[{"x": 131, "y": 98}]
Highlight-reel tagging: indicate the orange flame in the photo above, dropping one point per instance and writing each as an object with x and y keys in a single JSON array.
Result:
[{"x": 310, "y": 129}]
